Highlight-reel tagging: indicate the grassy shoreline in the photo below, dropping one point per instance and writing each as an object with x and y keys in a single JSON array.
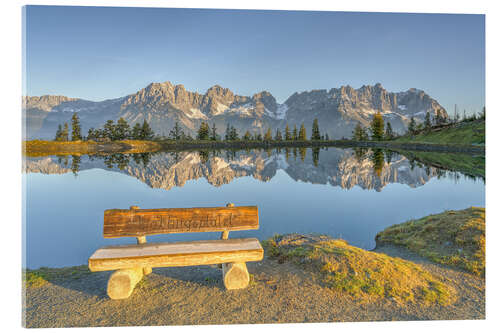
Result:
[
  {"x": 302, "y": 278},
  {"x": 452, "y": 238},
  {"x": 462, "y": 133},
  {"x": 460, "y": 236},
  {"x": 36, "y": 148}
]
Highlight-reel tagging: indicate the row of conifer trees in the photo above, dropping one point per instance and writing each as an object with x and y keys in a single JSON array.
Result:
[
  {"x": 205, "y": 132},
  {"x": 122, "y": 131},
  {"x": 110, "y": 131}
]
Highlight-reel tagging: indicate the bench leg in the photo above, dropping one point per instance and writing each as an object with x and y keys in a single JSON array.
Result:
[
  {"x": 121, "y": 284},
  {"x": 235, "y": 275},
  {"x": 142, "y": 240}
]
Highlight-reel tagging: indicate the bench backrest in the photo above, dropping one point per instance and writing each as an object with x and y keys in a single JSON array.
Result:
[{"x": 136, "y": 222}]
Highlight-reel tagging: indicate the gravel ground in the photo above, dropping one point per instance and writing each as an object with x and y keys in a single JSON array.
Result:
[{"x": 278, "y": 293}]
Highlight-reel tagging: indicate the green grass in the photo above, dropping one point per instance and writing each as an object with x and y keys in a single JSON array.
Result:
[
  {"x": 34, "y": 279},
  {"x": 360, "y": 273},
  {"x": 38, "y": 148},
  {"x": 39, "y": 277},
  {"x": 467, "y": 133},
  {"x": 453, "y": 238},
  {"x": 473, "y": 165}
]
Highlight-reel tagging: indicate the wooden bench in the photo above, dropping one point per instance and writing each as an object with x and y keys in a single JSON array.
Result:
[{"x": 131, "y": 262}]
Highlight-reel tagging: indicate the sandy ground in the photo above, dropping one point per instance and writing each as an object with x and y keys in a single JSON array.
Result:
[{"x": 279, "y": 293}]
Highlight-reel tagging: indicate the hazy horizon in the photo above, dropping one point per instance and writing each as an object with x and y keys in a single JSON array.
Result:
[{"x": 99, "y": 53}]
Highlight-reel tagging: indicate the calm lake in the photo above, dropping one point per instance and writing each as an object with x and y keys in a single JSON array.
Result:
[{"x": 346, "y": 193}]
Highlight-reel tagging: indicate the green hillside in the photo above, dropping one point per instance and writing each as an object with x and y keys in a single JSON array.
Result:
[{"x": 464, "y": 133}]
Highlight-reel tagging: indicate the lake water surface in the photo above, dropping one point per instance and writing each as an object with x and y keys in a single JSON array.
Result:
[{"x": 345, "y": 193}]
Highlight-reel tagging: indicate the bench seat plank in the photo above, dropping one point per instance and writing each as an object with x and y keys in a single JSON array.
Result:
[{"x": 193, "y": 253}]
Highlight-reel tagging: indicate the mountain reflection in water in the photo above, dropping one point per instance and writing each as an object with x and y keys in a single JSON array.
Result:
[{"x": 346, "y": 168}]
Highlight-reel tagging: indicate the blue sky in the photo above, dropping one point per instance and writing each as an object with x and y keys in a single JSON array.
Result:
[{"x": 103, "y": 52}]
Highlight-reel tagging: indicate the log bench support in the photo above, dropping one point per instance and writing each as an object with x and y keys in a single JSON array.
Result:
[
  {"x": 235, "y": 275},
  {"x": 122, "y": 282}
]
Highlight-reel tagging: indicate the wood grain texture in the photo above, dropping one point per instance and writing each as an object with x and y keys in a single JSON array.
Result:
[
  {"x": 235, "y": 275},
  {"x": 143, "y": 222},
  {"x": 121, "y": 283},
  {"x": 176, "y": 254},
  {"x": 142, "y": 240}
]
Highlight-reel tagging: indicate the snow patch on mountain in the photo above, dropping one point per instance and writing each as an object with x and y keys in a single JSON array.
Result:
[
  {"x": 221, "y": 108},
  {"x": 281, "y": 111},
  {"x": 219, "y": 164},
  {"x": 195, "y": 114},
  {"x": 245, "y": 162},
  {"x": 244, "y": 110}
]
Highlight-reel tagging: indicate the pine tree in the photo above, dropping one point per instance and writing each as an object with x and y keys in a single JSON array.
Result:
[
  {"x": 288, "y": 135},
  {"x": 233, "y": 134},
  {"x": 378, "y": 161},
  {"x": 268, "y": 136},
  {"x": 295, "y": 135},
  {"x": 99, "y": 133},
  {"x": 427, "y": 123},
  {"x": 315, "y": 130},
  {"x": 302, "y": 151},
  {"x": 278, "y": 136},
  {"x": 389, "y": 134},
  {"x": 327, "y": 138},
  {"x": 377, "y": 127},
  {"x": 146, "y": 131},
  {"x": 302, "y": 133},
  {"x": 247, "y": 136},
  {"x": 122, "y": 129},
  {"x": 65, "y": 133},
  {"x": 91, "y": 134},
  {"x": 213, "y": 134},
  {"x": 203, "y": 131},
  {"x": 75, "y": 163},
  {"x": 228, "y": 132},
  {"x": 136, "y": 132},
  {"x": 412, "y": 126},
  {"x": 109, "y": 130},
  {"x": 175, "y": 132},
  {"x": 315, "y": 156},
  {"x": 359, "y": 133},
  {"x": 58, "y": 133},
  {"x": 76, "y": 134}
]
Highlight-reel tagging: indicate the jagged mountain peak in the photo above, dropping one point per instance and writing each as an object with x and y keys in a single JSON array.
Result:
[
  {"x": 45, "y": 102},
  {"x": 217, "y": 90},
  {"x": 163, "y": 104}
]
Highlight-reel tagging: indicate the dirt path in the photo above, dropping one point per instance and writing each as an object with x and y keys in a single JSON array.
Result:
[{"x": 279, "y": 293}]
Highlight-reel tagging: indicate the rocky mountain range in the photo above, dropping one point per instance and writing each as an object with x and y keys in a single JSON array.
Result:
[
  {"x": 338, "y": 110},
  {"x": 335, "y": 167}
]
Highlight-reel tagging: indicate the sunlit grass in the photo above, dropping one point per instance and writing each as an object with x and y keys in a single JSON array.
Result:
[
  {"x": 39, "y": 277},
  {"x": 468, "y": 133},
  {"x": 454, "y": 238},
  {"x": 358, "y": 272},
  {"x": 38, "y": 148}
]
